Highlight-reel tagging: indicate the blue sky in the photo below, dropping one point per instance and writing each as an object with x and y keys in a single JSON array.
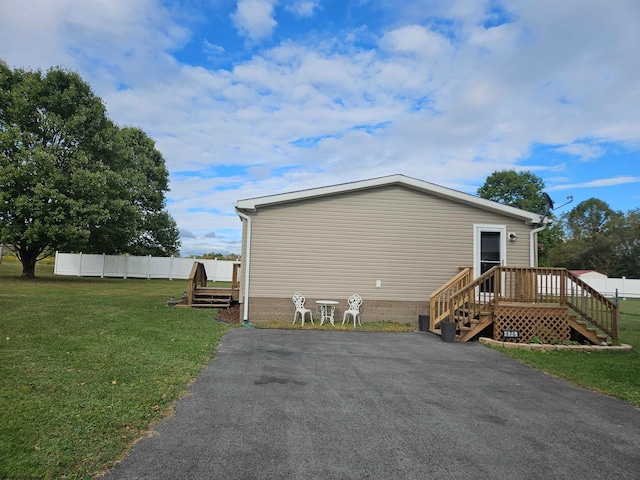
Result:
[{"x": 255, "y": 97}]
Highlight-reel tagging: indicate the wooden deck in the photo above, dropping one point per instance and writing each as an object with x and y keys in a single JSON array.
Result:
[
  {"x": 201, "y": 296},
  {"x": 517, "y": 304}
]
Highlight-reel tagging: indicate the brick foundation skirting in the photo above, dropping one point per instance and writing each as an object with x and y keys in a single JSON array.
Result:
[{"x": 269, "y": 309}]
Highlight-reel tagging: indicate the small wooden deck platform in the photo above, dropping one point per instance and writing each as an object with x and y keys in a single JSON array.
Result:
[
  {"x": 201, "y": 296},
  {"x": 521, "y": 304}
]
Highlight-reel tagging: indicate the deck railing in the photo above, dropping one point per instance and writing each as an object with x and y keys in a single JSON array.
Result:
[
  {"x": 439, "y": 303},
  {"x": 197, "y": 278},
  {"x": 529, "y": 285}
]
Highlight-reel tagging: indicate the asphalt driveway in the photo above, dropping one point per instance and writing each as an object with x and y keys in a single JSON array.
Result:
[{"x": 278, "y": 404}]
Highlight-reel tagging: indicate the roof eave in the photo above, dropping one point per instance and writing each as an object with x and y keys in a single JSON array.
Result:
[{"x": 252, "y": 204}]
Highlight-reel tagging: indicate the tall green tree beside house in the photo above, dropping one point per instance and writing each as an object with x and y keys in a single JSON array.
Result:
[
  {"x": 596, "y": 237},
  {"x": 523, "y": 190},
  {"x": 69, "y": 178}
]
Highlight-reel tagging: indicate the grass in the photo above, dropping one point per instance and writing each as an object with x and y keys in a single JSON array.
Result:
[
  {"x": 612, "y": 373},
  {"x": 366, "y": 327},
  {"x": 88, "y": 365}
]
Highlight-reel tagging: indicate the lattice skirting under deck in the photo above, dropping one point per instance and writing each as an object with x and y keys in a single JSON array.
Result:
[{"x": 549, "y": 324}]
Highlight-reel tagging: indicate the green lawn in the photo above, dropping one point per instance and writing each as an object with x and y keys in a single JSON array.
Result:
[
  {"x": 613, "y": 373},
  {"x": 87, "y": 365}
]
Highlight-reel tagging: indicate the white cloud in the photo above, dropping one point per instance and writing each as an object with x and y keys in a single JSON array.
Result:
[
  {"x": 254, "y": 18},
  {"x": 449, "y": 106},
  {"x": 414, "y": 40},
  {"x": 599, "y": 183},
  {"x": 303, "y": 8},
  {"x": 583, "y": 150}
]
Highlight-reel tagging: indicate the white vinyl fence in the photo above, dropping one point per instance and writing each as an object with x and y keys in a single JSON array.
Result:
[
  {"x": 126, "y": 266},
  {"x": 625, "y": 287},
  {"x": 609, "y": 287}
]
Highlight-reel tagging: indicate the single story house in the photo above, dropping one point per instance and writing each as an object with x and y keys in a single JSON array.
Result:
[{"x": 393, "y": 240}]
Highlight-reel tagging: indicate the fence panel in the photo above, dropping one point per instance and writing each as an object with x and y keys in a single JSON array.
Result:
[
  {"x": 67, "y": 264},
  {"x": 159, "y": 266},
  {"x": 126, "y": 266},
  {"x": 137, "y": 267},
  {"x": 181, "y": 268},
  {"x": 626, "y": 287},
  {"x": 114, "y": 266},
  {"x": 91, "y": 265}
]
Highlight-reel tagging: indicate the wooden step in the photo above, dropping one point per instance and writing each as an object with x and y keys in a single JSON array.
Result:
[
  {"x": 592, "y": 334},
  {"x": 210, "y": 305},
  {"x": 210, "y": 298}
]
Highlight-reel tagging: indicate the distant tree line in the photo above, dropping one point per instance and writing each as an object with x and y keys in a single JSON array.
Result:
[
  {"x": 220, "y": 256},
  {"x": 70, "y": 179},
  {"x": 591, "y": 236}
]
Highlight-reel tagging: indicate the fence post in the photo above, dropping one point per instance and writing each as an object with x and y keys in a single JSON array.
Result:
[
  {"x": 148, "y": 267},
  {"x": 614, "y": 321},
  {"x": 55, "y": 262},
  {"x": 171, "y": 268},
  {"x": 80, "y": 267},
  {"x": 126, "y": 265},
  {"x": 104, "y": 259}
]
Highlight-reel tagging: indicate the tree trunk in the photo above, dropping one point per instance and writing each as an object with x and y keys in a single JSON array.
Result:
[{"x": 28, "y": 259}]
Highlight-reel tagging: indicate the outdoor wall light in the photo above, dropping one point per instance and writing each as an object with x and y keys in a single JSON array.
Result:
[{"x": 513, "y": 237}]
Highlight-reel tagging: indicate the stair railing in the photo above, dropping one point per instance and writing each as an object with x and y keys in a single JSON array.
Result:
[
  {"x": 477, "y": 296},
  {"x": 559, "y": 285},
  {"x": 439, "y": 303},
  {"x": 525, "y": 285},
  {"x": 591, "y": 305},
  {"x": 197, "y": 278}
]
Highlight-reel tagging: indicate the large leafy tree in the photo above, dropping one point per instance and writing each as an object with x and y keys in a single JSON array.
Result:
[
  {"x": 628, "y": 248},
  {"x": 597, "y": 237},
  {"x": 66, "y": 179},
  {"x": 141, "y": 226},
  {"x": 523, "y": 190},
  {"x": 589, "y": 219}
]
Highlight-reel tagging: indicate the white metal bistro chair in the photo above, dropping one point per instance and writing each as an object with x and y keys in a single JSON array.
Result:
[
  {"x": 298, "y": 301},
  {"x": 354, "y": 302}
]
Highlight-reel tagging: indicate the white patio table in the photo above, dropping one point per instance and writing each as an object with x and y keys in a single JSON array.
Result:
[{"x": 327, "y": 309}]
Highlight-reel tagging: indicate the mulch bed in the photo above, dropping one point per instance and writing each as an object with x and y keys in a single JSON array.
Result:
[{"x": 229, "y": 315}]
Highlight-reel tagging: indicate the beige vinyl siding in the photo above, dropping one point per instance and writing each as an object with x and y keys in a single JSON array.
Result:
[{"x": 342, "y": 244}]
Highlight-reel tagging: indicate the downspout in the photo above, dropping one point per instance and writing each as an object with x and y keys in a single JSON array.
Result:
[
  {"x": 532, "y": 250},
  {"x": 247, "y": 263}
]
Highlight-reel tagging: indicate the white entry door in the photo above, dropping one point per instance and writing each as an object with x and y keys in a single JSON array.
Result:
[{"x": 490, "y": 249}]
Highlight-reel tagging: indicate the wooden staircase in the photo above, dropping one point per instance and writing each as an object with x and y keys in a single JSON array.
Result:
[
  {"x": 471, "y": 304},
  {"x": 469, "y": 327},
  {"x": 205, "y": 297},
  {"x": 592, "y": 334},
  {"x": 201, "y": 296}
]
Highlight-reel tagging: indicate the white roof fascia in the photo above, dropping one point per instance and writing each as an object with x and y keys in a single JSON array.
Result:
[{"x": 252, "y": 204}]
